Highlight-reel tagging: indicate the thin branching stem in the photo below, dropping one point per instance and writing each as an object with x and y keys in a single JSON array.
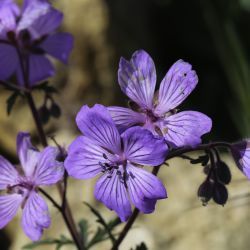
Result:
[
  {"x": 66, "y": 212},
  {"x": 64, "y": 215},
  {"x": 65, "y": 185},
  {"x": 173, "y": 153},
  {"x": 55, "y": 204}
]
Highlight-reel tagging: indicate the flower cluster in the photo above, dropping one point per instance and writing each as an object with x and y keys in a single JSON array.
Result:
[
  {"x": 27, "y": 37},
  {"x": 116, "y": 142}
]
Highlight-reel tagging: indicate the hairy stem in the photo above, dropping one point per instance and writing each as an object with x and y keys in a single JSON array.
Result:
[
  {"x": 155, "y": 171},
  {"x": 66, "y": 211}
]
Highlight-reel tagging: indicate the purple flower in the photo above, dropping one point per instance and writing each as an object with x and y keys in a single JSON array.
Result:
[
  {"x": 119, "y": 158},
  {"x": 31, "y": 30},
  {"x": 156, "y": 111},
  {"x": 21, "y": 185},
  {"x": 241, "y": 155}
]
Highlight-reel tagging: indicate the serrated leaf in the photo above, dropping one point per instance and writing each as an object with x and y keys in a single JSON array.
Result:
[
  {"x": 98, "y": 237},
  {"x": 63, "y": 241},
  {"x": 113, "y": 223},
  {"x": 11, "y": 101},
  {"x": 105, "y": 232},
  {"x": 33, "y": 245},
  {"x": 95, "y": 212},
  {"x": 58, "y": 242}
]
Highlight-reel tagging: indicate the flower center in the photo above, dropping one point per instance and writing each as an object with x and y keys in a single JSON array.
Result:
[
  {"x": 150, "y": 114},
  {"x": 23, "y": 187},
  {"x": 117, "y": 166}
]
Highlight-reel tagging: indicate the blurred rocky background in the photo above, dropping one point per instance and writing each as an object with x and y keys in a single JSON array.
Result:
[{"x": 213, "y": 35}]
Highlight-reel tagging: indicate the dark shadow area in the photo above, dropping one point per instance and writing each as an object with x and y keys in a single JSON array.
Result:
[{"x": 169, "y": 30}]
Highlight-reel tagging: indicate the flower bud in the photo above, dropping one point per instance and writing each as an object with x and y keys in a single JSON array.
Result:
[
  {"x": 44, "y": 114},
  {"x": 223, "y": 172},
  {"x": 205, "y": 191},
  {"x": 55, "y": 110},
  {"x": 220, "y": 194}
]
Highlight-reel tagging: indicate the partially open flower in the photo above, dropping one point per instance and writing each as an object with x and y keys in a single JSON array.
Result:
[{"x": 241, "y": 155}]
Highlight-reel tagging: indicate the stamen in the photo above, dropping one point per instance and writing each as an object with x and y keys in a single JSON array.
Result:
[{"x": 105, "y": 156}]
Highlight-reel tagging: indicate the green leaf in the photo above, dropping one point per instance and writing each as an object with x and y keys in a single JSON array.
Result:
[
  {"x": 63, "y": 241},
  {"x": 99, "y": 236},
  {"x": 58, "y": 242},
  {"x": 105, "y": 232},
  {"x": 113, "y": 223},
  {"x": 11, "y": 101},
  {"x": 83, "y": 225},
  {"x": 33, "y": 245},
  {"x": 108, "y": 227}
]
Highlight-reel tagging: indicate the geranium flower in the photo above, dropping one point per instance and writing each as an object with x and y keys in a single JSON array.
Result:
[
  {"x": 37, "y": 169},
  {"x": 157, "y": 111},
  {"x": 29, "y": 33},
  {"x": 119, "y": 160}
]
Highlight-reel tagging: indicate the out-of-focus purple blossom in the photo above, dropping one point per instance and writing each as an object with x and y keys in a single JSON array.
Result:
[
  {"x": 157, "y": 111},
  {"x": 120, "y": 159},
  {"x": 21, "y": 185},
  {"x": 31, "y": 30},
  {"x": 241, "y": 155}
]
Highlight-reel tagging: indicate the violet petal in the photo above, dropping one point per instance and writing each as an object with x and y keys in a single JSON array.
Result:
[
  {"x": 141, "y": 147},
  {"x": 185, "y": 128},
  {"x": 27, "y": 153},
  {"x": 144, "y": 189},
  {"x": 58, "y": 45},
  {"x": 125, "y": 118},
  {"x": 83, "y": 158},
  {"x": 35, "y": 217},
  {"x": 112, "y": 192},
  {"x": 48, "y": 171},
  {"x": 97, "y": 124},
  {"x": 178, "y": 83},
  {"x": 8, "y": 62},
  {"x": 137, "y": 78},
  {"x": 9, "y": 205},
  {"x": 8, "y": 173}
]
